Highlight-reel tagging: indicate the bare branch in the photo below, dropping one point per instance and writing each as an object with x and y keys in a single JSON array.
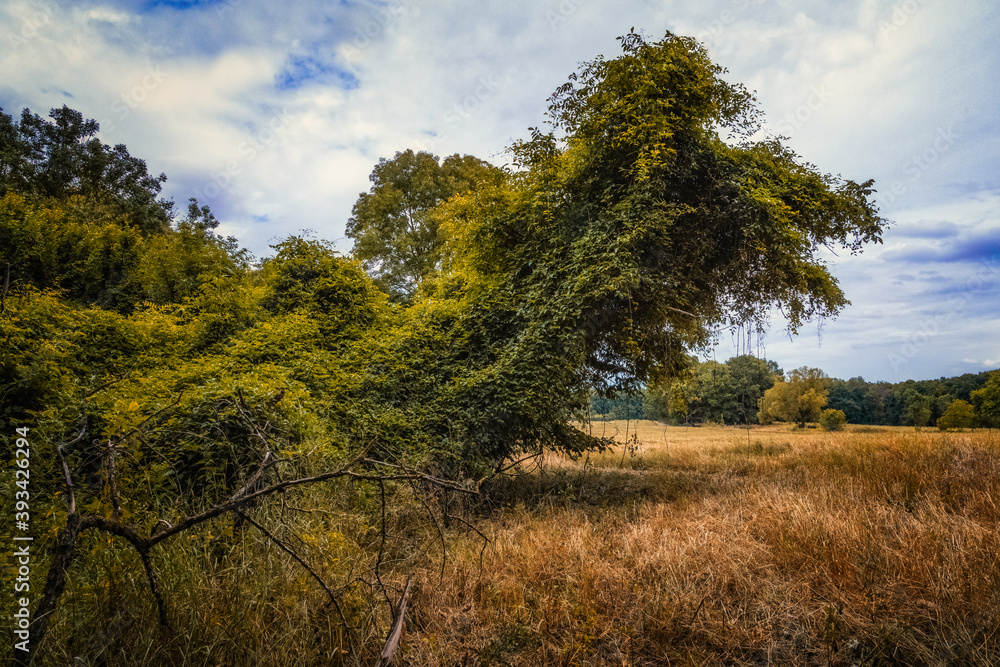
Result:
[
  {"x": 682, "y": 312},
  {"x": 65, "y": 466},
  {"x": 409, "y": 473},
  {"x": 113, "y": 482},
  {"x": 6, "y": 289}
]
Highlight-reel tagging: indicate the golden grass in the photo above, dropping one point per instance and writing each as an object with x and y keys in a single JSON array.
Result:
[{"x": 723, "y": 547}]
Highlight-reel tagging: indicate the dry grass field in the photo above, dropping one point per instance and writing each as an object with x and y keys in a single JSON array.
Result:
[
  {"x": 682, "y": 546},
  {"x": 712, "y": 546}
]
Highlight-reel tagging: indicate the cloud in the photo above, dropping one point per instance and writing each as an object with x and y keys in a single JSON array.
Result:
[
  {"x": 927, "y": 229},
  {"x": 307, "y": 70},
  {"x": 980, "y": 248}
]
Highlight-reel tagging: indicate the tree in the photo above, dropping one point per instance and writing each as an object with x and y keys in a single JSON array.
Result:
[
  {"x": 916, "y": 407},
  {"x": 832, "y": 420},
  {"x": 717, "y": 393},
  {"x": 799, "y": 399},
  {"x": 623, "y": 242},
  {"x": 394, "y": 236},
  {"x": 958, "y": 415},
  {"x": 62, "y": 157},
  {"x": 987, "y": 401},
  {"x": 751, "y": 378},
  {"x": 855, "y": 399}
]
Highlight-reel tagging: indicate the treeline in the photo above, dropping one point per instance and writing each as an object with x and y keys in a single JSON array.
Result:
[{"x": 730, "y": 393}]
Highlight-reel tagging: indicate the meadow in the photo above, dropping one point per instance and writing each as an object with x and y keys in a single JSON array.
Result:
[{"x": 681, "y": 546}]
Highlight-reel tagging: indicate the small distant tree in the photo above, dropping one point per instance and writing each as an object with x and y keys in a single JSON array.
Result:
[
  {"x": 986, "y": 402},
  {"x": 832, "y": 420},
  {"x": 799, "y": 399},
  {"x": 958, "y": 415}
]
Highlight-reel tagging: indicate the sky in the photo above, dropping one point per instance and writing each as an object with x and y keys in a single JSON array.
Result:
[{"x": 274, "y": 114}]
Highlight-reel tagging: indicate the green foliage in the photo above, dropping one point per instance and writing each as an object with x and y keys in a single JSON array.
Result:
[
  {"x": 987, "y": 401},
  {"x": 174, "y": 265},
  {"x": 609, "y": 253},
  {"x": 916, "y": 408},
  {"x": 717, "y": 393},
  {"x": 309, "y": 275},
  {"x": 80, "y": 247},
  {"x": 39, "y": 358},
  {"x": 62, "y": 157},
  {"x": 832, "y": 420},
  {"x": 395, "y": 233},
  {"x": 958, "y": 415},
  {"x": 799, "y": 399},
  {"x": 73, "y": 246}
]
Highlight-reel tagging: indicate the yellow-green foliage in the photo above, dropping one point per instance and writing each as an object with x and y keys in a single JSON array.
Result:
[
  {"x": 800, "y": 399},
  {"x": 958, "y": 415},
  {"x": 987, "y": 401},
  {"x": 832, "y": 420}
]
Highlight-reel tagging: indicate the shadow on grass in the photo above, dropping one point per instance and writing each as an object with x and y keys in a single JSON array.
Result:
[{"x": 593, "y": 487}]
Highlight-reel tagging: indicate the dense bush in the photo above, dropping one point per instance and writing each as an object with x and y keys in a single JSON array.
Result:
[{"x": 832, "y": 420}]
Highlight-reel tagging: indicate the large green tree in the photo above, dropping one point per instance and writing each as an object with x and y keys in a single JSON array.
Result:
[
  {"x": 799, "y": 399},
  {"x": 62, "y": 157},
  {"x": 645, "y": 220},
  {"x": 394, "y": 233},
  {"x": 987, "y": 401}
]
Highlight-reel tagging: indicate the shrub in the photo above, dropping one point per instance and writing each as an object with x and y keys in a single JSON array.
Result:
[
  {"x": 958, "y": 415},
  {"x": 833, "y": 420}
]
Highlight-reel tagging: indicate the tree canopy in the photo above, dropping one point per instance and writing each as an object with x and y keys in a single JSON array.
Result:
[
  {"x": 395, "y": 235},
  {"x": 63, "y": 157},
  {"x": 628, "y": 235},
  {"x": 800, "y": 399},
  {"x": 481, "y": 310},
  {"x": 645, "y": 219}
]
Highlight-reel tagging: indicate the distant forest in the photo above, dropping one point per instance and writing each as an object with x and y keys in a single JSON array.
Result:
[{"x": 729, "y": 393}]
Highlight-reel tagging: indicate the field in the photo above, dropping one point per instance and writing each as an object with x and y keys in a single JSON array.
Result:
[
  {"x": 722, "y": 546},
  {"x": 682, "y": 546}
]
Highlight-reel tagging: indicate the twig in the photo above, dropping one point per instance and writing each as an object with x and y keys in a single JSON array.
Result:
[
  {"x": 486, "y": 540},
  {"x": 437, "y": 527},
  {"x": 6, "y": 289},
  {"x": 113, "y": 483},
  {"x": 65, "y": 467},
  {"x": 151, "y": 577},
  {"x": 409, "y": 473}
]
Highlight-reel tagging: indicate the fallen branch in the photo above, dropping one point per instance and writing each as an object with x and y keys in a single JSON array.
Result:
[{"x": 396, "y": 632}]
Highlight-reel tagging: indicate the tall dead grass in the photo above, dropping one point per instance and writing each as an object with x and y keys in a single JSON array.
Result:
[{"x": 718, "y": 546}]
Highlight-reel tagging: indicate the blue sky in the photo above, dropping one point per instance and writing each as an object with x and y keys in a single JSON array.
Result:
[{"x": 275, "y": 115}]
